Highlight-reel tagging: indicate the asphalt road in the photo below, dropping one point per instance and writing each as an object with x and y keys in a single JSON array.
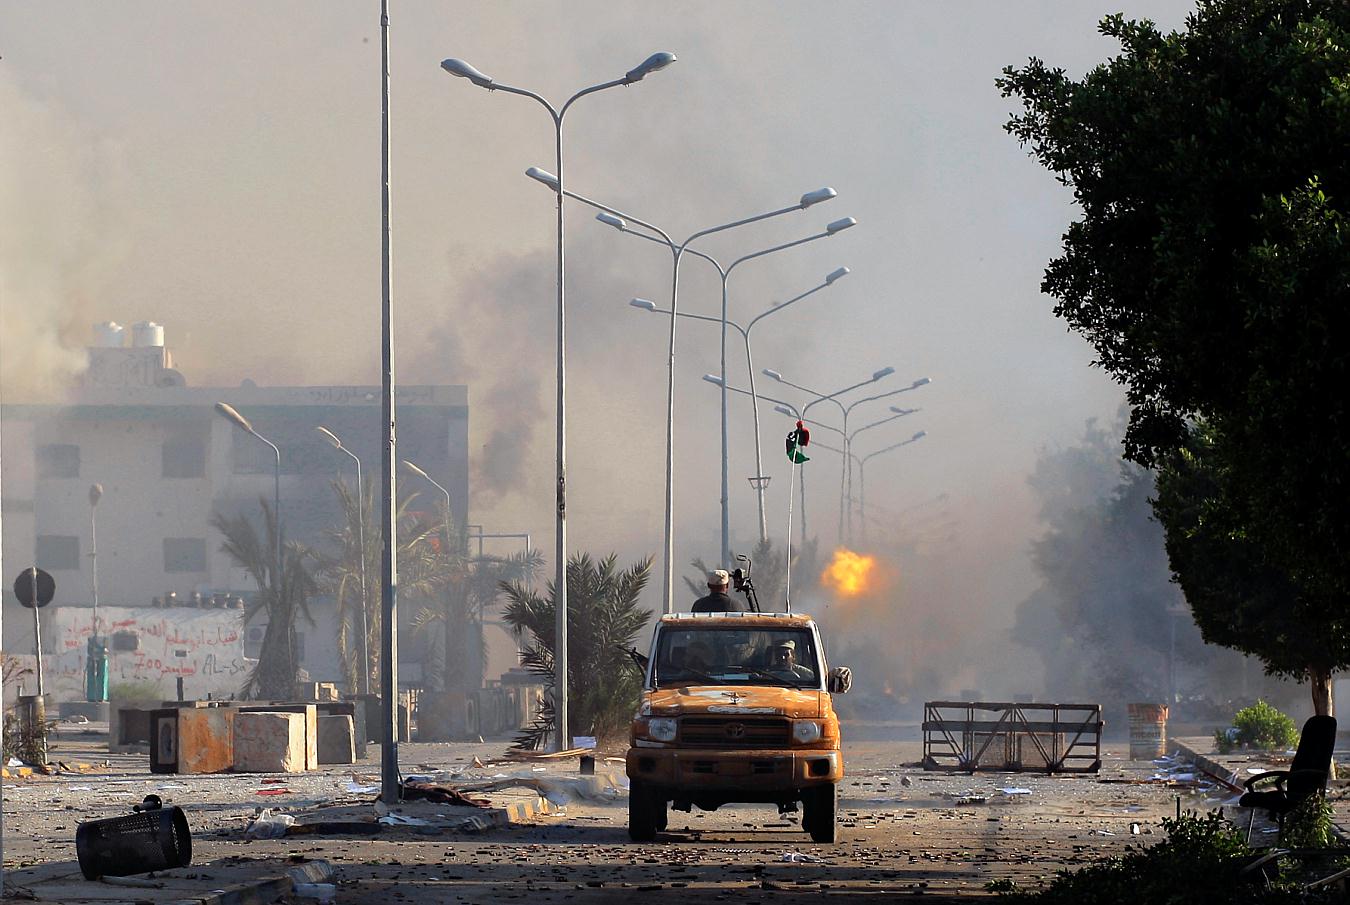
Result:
[{"x": 903, "y": 831}]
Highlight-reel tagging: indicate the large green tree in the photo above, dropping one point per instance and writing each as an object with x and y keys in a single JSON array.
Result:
[
  {"x": 1239, "y": 600},
  {"x": 1209, "y": 267}
]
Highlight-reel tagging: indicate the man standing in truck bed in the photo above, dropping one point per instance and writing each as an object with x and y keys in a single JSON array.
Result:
[{"x": 718, "y": 600}]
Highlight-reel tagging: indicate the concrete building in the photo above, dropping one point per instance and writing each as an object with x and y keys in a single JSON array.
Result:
[{"x": 166, "y": 461}]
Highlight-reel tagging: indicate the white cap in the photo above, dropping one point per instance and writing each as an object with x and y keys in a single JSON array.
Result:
[
  {"x": 790, "y": 645},
  {"x": 718, "y": 578}
]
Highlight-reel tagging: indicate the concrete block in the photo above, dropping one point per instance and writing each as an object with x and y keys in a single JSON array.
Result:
[
  {"x": 311, "y": 717},
  {"x": 337, "y": 740},
  {"x": 269, "y": 742},
  {"x": 206, "y": 739}
]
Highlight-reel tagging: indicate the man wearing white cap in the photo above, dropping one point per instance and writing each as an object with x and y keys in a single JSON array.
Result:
[
  {"x": 718, "y": 600},
  {"x": 784, "y": 661}
]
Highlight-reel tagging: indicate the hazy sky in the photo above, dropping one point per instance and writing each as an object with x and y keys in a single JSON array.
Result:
[{"x": 215, "y": 167}]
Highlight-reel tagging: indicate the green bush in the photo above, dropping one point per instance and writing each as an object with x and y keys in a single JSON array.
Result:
[
  {"x": 1259, "y": 726},
  {"x": 1200, "y": 862}
]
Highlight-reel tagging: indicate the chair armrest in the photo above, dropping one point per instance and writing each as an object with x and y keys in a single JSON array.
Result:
[{"x": 1278, "y": 775}]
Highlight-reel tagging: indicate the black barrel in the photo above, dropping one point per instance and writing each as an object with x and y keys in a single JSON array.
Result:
[{"x": 134, "y": 844}]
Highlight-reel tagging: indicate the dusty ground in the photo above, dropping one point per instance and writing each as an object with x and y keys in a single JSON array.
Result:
[{"x": 903, "y": 831}]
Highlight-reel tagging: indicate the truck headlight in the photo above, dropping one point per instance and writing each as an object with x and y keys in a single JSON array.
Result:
[
  {"x": 806, "y": 731},
  {"x": 662, "y": 729}
]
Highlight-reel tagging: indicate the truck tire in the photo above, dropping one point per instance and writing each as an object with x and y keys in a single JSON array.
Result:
[
  {"x": 820, "y": 809},
  {"x": 644, "y": 813}
]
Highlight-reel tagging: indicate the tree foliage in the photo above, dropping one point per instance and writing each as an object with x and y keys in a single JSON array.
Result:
[
  {"x": 1239, "y": 599},
  {"x": 1101, "y": 618},
  {"x": 284, "y": 590},
  {"x": 1209, "y": 268},
  {"x": 604, "y": 619}
]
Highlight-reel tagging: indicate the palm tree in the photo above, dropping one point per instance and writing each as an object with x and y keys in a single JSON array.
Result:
[
  {"x": 603, "y": 621},
  {"x": 420, "y": 574},
  {"x": 475, "y": 585},
  {"x": 284, "y": 589}
]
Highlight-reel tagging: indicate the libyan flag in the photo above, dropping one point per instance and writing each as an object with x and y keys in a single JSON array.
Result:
[{"x": 796, "y": 440}]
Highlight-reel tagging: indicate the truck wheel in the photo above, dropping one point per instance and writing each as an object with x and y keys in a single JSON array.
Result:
[
  {"x": 820, "y": 807},
  {"x": 643, "y": 813}
]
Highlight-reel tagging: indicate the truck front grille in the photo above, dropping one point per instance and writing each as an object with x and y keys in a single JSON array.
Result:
[{"x": 733, "y": 732}]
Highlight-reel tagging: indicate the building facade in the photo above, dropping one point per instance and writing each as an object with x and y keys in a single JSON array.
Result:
[{"x": 166, "y": 461}]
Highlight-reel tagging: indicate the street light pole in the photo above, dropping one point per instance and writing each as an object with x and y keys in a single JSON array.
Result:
[
  {"x": 725, "y": 273},
  {"x": 96, "y": 653},
  {"x": 760, "y": 479},
  {"x": 677, "y": 250},
  {"x": 653, "y": 63},
  {"x": 228, "y": 413},
  {"x": 361, "y": 546}
]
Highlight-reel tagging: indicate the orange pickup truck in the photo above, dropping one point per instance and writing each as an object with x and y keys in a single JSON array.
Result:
[{"x": 736, "y": 707}]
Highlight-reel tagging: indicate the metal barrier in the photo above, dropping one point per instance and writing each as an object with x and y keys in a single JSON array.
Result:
[{"x": 971, "y": 736}]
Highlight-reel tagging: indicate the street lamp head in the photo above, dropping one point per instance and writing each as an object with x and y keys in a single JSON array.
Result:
[
  {"x": 329, "y": 436},
  {"x": 839, "y": 226},
  {"x": 884, "y": 372},
  {"x": 817, "y": 196},
  {"x": 228, "y": 413},
  {"x": 543, "y": 176},
  {"x": 654, "y": 63},
  {"x": 841, "y": 272},
  {"x": 713, "y": 378},
  {"x": 921, "y": 382},
  {"x": 95, "y": 494},
  {"x": 465, "y": 71},
  {"x": 784, "y": 410},
  {"x": 919, "y": 436},
  {"x": 899, "y": 411},
  {"x": 610, "y": 220},
  {"x": 415, "y": 470},
  {"x": 644, "y": 304},
  {"x": 773, "y": 374}
]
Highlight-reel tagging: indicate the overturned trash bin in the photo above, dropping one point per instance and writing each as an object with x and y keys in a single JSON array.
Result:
[{"x": 153, "y": 839}]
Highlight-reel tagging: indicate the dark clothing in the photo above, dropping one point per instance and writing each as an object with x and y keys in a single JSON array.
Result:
[{"x": 719, "y": 602}]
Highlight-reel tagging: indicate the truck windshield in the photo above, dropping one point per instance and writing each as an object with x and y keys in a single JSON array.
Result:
[{"x": 737, "y": 656}]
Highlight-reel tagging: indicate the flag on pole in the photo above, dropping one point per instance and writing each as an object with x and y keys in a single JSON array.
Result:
[{"x": 796, "y": 440}]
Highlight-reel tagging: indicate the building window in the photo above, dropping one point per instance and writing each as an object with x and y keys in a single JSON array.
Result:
[
  {"x": 125, "y": 642},
  {"x": 55, "y": 551},
  {"x": 58, "y": 460},
  {"x": 184, "y": 554},
  {"x": 184, "y": 458}
]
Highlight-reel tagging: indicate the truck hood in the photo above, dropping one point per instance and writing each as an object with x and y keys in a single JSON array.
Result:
[{"x": 796, "y": 703}]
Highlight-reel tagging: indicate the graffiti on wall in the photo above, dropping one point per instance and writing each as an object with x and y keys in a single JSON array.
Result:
[{"x": 150, "y": 647}]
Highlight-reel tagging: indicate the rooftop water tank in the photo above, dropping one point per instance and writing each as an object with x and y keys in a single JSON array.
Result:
[
  {"x": 147, "y": 334},
  {"x": 108, "y": 335}
]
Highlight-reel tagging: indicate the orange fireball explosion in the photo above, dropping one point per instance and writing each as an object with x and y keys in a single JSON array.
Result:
[{"x": 850, "y": 574}]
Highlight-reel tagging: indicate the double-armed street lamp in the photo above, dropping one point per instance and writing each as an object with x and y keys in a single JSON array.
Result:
[
  {"x": 677, "y": 251},
  {"x": 846, "y": 470},
  {"x": 760, "y": 481},
  {"x": 653, "y": 63},
  {"x": 861, "y": 462},
  {"x": 361, "y": 547}
]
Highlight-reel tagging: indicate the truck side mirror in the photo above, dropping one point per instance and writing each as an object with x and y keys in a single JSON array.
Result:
[{"x": 840, "y": 680}]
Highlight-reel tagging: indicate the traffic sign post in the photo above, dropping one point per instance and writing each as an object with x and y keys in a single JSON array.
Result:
[{"x": 35, "y": 589}]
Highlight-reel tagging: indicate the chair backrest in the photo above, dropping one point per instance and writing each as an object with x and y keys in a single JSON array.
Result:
[{"x": 1315, "y": 746}]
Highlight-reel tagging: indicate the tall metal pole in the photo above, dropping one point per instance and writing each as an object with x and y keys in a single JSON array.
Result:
[
  {"x": 561, "y": 699},
  {"x": 2, "y": 726},
  {"x": 390, "y": 786},
  {"x": 726, "y": 484},
  {"x": 361, "y": 544}
]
